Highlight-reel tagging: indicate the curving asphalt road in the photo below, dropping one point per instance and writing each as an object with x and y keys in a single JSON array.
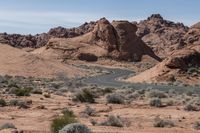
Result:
[{"x": 110, "y": 79}]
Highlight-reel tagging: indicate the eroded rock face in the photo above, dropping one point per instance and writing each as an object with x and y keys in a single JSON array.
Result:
[
  {"x": 129, "y": 45},
  {"x": 104, "y": 35},
  {"x": 183, "y": 59},
  {"x": 193, "y": 35},
  {"x": 161, "y": 35}
]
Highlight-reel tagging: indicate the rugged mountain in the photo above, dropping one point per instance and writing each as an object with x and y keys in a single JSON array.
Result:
[
  {"x": 161, "y": 35},
  {"x": 116, "y": 40}
]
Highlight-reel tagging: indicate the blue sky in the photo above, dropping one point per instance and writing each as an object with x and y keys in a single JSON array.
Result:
[{"x": 37, "y": 16}]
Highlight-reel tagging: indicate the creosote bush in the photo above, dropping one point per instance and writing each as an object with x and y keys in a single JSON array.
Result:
[
  {"x": 157, "y": 94},
  {"x": 115, "y": 121},
  {"x": 158, "y": 122},
  {"x": 22, "y": 91},
  {"x": 2, "y": 103},
  {"x": 58, "y": 123},
  {"x": 75, "y": 128},
  {"x": 197, "y": 126},
  {"x": 115, "y": 99},
  {"x": 156, "y": 102},
  {"x": 84, "y": 96},
  {"x": 191, "y": 107},
  {"x": 89, "y": 111},
  {"x": 19, "y": 103}
]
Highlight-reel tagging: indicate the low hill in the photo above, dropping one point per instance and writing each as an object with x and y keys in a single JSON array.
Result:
[{"x": 17, "y": 62}]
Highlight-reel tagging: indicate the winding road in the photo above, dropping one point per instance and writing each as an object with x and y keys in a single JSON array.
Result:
[{"x": 111, "y": 79}]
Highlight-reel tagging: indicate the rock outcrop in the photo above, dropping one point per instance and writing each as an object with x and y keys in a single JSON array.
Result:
[
  {"x": 192, "y": 37},
  {"x": 183, "y": 65},
  {"x": 118, "y": 38},
  {"x": 39, "y": 40}
]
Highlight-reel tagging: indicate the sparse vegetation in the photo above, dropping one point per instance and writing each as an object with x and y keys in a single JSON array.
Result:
[
  {"x": 115, "y": 121},
  {"x": 157, "y": 94},
  {"x": 19, "y": 103},
  {"x": 22, "y": 91},
  {"x": 115, "y": 99},
  {"x": 7, "y": 126},
  {"x": 84, "y": 96},
  {"x": 191, "y": 107},
  {"x": 89, "y": 111},
  {"x": 2, "y": 103},
  {"x": 156, "y": 102},
  {"x": 58, "y": 123},
  {"x": 75, "y": 128},
  {"x": 158, "y": 122},
  {"x": 197, "y": 126}
]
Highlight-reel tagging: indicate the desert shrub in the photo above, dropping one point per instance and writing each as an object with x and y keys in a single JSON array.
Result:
[
  {"x": 89, "y": 111},
  {"x": 21, "y": 91},
  {"x": 68, "y": 112},
  {"x": 7, "y": 125},
  {"x": 2, "y": 103},
  {"x": 115, "y": 99},
  {"x": 170, "y": 102},
  {"x": 19, "y": 103},
  {"x": 158, "y": 122},
  {"x": 191, "y": 107},
  {"x": 197, "y": 126},
  {"x": 93, "y": 122},
  {"x": 115, "y": 121},
  {"x": 141, "y": 92},
  {"x": 75, "y": 128},
  {"x": 37, "y": 91},
  {"x": 156, "y": 102},
  {"x": 47, "y": 95},
  {"x": 58, "y": 123},
  {"x": 107, "y": 90},
  {"x": 157, "y": 94},
  {"x": 84, "y": 96},
  {"x": 134, "y": 95}
]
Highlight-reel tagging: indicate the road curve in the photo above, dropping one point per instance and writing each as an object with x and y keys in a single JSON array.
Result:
[{"x": 111, "y": 79}]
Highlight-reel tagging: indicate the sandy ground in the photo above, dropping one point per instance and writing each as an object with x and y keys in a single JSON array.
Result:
[{"x": 141, "y": 116}]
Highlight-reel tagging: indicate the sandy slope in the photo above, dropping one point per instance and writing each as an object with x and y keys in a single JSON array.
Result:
[{"x": 14, "y": 61}]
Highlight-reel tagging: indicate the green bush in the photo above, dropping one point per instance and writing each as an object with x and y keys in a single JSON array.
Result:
[
  {"x": 22, "y": 91},
  {"x": 2, "y": 102},
  {"x": 156, "y": 102},
  {"x": 84, "y": 96},
  {"x": 61, "y": 121},
  {"x": 68, "y": 112}
]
